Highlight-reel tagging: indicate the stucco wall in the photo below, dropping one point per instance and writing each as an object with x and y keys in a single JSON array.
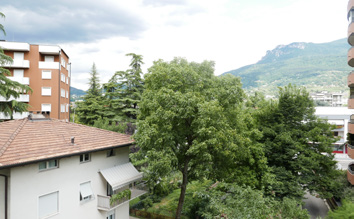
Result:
[{"x": 28, "y": 183}]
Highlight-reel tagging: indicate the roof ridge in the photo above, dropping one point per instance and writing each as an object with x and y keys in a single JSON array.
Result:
[{"x": 12, "y": 137}]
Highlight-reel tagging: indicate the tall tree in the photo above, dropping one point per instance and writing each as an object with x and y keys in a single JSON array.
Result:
[
  {"x": 10, "y": 89},
  {"x": 92, "y": 107},
  {"x": 298, "y": 145},
  {"x": 193, "y": 122},
  {"x": 124, "y": 90}
]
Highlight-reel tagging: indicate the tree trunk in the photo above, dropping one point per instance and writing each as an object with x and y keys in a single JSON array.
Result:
[{"x": 183, "y": 189}]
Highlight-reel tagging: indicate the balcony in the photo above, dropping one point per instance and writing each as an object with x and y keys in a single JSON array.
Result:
[
  {"x": 21, "y": 98},
  {"x": 351, "y": 79},
  {"x": 351, "y": 34},
  {"x": 15, "y": 46},
  {"x": 21, "y": 80},
  {"x": 350, "y": 151},
  {"x": 350, "y": 5},
  {"x": 351, "y": 57},
  {"x": 49, "y": 50},
  {"x": 104, "y": 203},
  {"x": 350, "y": 173},
  {"x": 18, "y": 64},
  {"x": 48, "y": 65},
  {"x": 15, "y": 115}
]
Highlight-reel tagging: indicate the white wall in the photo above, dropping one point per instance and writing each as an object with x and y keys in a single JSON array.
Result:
[{"x": 28, "y": 183}]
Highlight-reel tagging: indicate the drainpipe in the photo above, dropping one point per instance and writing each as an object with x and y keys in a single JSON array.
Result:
[
  {"x": 59, "y": 84},
  {"x": 6, "y": 177},
  {"x": 69, "y": 89}
]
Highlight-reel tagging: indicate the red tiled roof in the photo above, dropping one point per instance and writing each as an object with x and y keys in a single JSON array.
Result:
[{"x": 23, "y": 141}]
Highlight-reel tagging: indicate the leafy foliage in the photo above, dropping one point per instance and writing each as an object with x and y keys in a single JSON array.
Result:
[
  {"x": 298, "y": 145},
  {"x": 193, "y": 122},
  {"x": 92, "y": 108},
  {"x": 343, "y": 212}
]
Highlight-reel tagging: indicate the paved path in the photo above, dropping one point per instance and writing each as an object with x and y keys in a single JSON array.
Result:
[{"x": 315, "y": 206}]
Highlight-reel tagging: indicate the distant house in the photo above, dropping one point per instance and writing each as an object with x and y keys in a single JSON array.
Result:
[
  {"x": 328, "y": 99},
  {"x": 60, "y": 170}
]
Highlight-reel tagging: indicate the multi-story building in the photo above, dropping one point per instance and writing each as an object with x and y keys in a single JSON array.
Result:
[
  {"x": 350, "y": 16},
  {"x": 46, "y": 69},
  {"x": 60, "y": 170},
  {"x": 330, "y": 99}
]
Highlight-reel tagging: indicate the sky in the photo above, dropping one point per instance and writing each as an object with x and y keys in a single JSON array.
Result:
[{"x": 233, "y": 33}]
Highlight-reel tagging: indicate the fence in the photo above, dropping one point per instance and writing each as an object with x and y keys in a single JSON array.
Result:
[{"x": 144, "y": 214}]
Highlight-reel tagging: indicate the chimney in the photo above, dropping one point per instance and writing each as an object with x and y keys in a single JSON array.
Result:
[{"x": 72, "y": 140}]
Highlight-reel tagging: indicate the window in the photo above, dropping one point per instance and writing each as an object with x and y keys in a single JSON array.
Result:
[
  {"x": 67, "y": 80},
  {"x": 62, "y": 77},
  {"x": 110, "y": 153},
  {"x": 46, "y": 74},
  {"x": 48, "y": 205},
  {"x": 49, "y": 58},
  {"x": 67, "y": 94},
  {"x": 85, "y": 191},
  {"x": 85, "y": 158},
  {"x": 46, "y": 91},
  {"x": 50, "y": 164},
  {"x": 111, "y": 215},
  {"x": 67, "y": 108},
  {"x": 19, "y": 55},
  {"x": 109, "y": 190},
  {"x": 62, "y": 108},
  {"x": 351, "y": 16},
  {"x": 62, "y": 92},
  {"x": 46, "y": 107},
  {"x": 18, "y": 73},
  {"x": 63, "y": 62}
]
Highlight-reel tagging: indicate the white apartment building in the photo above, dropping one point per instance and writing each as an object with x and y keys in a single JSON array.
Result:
[{"x": 59, "y": 170}]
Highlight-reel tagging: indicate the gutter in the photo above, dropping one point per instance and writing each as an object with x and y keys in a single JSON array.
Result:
[
  {"x": 6, "y": 195},
  {"x": 63, "y": 156}
]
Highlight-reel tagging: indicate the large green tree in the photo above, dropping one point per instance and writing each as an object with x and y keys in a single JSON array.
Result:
[
  {"x": 194, "y": 122},
  {"x": 124, "y": 90},
  {"x": 10, "y": 89},
  {"x": 92, "y": 107},
  {"x": 298, "y": 145}
]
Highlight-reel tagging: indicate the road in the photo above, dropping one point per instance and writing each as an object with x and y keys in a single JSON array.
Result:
[{"x": 315, "y": 206}]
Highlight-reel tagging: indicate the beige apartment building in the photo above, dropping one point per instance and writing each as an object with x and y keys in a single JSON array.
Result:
[
  {"x": 46, "y": 69},
  {"x": 350, "y": 145}
]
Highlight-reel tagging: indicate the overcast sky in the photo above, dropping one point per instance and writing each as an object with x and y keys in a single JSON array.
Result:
[{"x": 233, "y": 33}]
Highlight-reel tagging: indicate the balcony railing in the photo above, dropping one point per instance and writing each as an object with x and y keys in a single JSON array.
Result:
[
  {"x": 15, "y": 46},
  {"x": 14, "y": 115},
  {"x": 18, "y": 63},
  {"x": 23, "y": 80},
  {"x": 350, "y": 173},
  {"x": 51, "y": 50},
  {"x": 48, "y": 65},
  {"x": 104, "y": 202},
  {"x": 22, "y": 98}
]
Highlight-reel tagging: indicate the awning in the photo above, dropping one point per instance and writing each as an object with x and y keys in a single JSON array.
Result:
[
  {"x": 121, "y": 175},
  {"x": 338, "y": 130}
]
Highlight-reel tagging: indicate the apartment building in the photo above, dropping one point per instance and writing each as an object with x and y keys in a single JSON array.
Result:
[
  {"x": 350, "y": 145},
  {"x": 46, "y": 69},
  {"x": 59, "y": 170}
]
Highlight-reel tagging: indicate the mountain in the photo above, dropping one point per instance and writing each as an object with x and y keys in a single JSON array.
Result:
[
  {"x": 76, "y": 94},
  {"x": 316, "y": 66}
]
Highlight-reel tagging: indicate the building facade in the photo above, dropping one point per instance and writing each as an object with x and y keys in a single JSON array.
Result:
[
  {"x": 59, "y": 170},
  {"x": 46, "y": 69},
  {"x": 350, "y": 145}
]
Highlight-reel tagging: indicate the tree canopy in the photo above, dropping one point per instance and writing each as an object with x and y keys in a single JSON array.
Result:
[
  {"x": 10, "y": 89},
  {"x": 298, "y": 145},
  {"x": 194, "y": 122}
]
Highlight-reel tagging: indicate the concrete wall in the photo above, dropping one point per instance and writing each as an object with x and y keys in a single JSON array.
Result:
[{"x": 28, "y": 183}]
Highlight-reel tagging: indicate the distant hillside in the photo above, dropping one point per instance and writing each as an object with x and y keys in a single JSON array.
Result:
[
  {"x": 316, "y": 66},
  {"x": 76, "y": 94}
]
